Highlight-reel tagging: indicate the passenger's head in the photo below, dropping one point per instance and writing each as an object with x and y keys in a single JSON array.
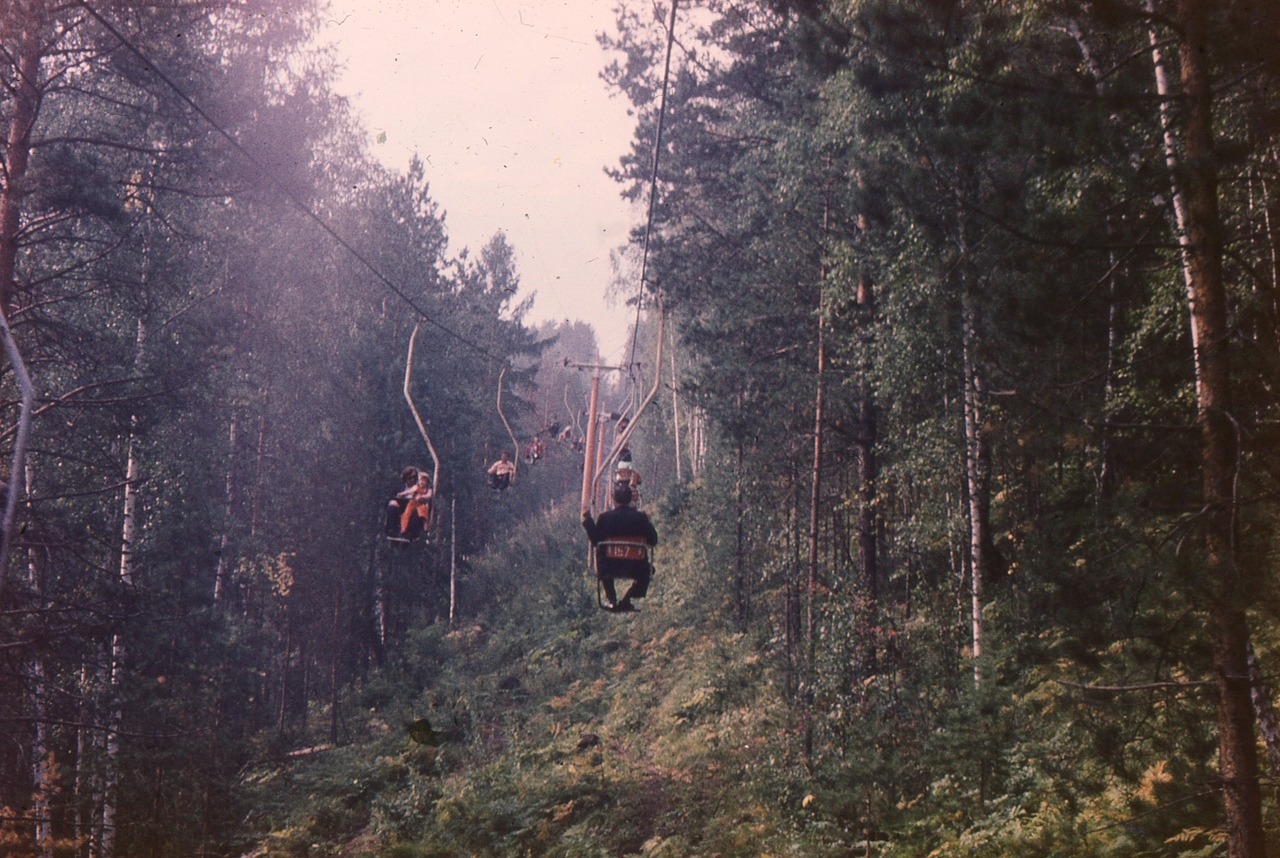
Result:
[
  {"x": 409, "y": 475},
  {"x": 505, "y": 456},
  {"x": 622, "y": 494}
]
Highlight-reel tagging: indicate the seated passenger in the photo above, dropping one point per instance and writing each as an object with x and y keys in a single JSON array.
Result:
[
  {"x": 622, "y": 537},
  {"x": 417, "y": 512},
  {"x": 628, "y": 475},
  {"x": 501, "y": 472},
  {"x": 396, "y": 506}
]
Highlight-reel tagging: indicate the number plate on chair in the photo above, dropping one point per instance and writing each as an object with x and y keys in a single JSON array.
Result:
[{"x": 625, "y": 551}]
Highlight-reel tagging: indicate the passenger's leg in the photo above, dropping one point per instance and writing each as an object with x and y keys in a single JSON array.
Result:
[
  {"x": 610, "y": 594},
  {"x": 638, "y": 590},
  {"x": 394, "y": 510}
]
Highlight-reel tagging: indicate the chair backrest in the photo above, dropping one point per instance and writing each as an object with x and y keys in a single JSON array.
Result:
[{"x": 622, "y": 556}]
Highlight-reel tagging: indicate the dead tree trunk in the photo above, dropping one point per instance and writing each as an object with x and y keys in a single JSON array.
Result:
[
  {"x": 867, "y": 474},
  {"x": 815, "y": 499},
  {"x": 977, "y": 454},
  {"x": 31, "y": 23},
  {"x": 222, "y": 578},
  {"x": 41, "y": 759},
  {"x": 129, "y": 534}
]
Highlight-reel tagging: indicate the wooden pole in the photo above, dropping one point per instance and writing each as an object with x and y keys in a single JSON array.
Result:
[
  {"x": 675, "y": 409},
  {"x": 589, "y": 454},
  {"x": 453, "y": 559}
]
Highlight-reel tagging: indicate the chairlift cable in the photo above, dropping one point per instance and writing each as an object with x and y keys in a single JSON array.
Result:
[
  {"x": 592, "y": 480},
  {"x": 281, "y": 186},
  {"x": 653, "y": 177},
  {"x": 622, "y": 439}
]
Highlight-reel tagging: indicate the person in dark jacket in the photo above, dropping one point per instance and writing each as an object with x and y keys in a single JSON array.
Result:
[{"x": 622, "y": 537}]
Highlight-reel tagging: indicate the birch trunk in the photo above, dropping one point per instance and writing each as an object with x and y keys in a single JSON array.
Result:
[
  {"x": 977, "y": 461},
  {"x": 380, "y": 606},
  {"x": 453, "y": 560},
  {"x": 129, "y": 532},
  {"x": 977, "y": 478},
  {"x": 1103, "y": 477},
  {"x": 95, "y": 680},
  {"x": 111, "y": 750},
  {"x": 42, "y": 785},
  {"x": 259, "y": 468},
  {"x": 815, "y": 500},
  {"x": 334, "y": 656},
  {"x": 285, "y": 660},
  {"x": 675, "y": 409},
  {"x": 222, "y": 578},
  {"x": 867, "y": 473},
  {"x": 1268, "y": 723},
  {"x": 699, "y": 463},
  {"x": 739, "y": 543},
  {"x": 1195, "y": 190},
  {"x": 41, "y": 782}
]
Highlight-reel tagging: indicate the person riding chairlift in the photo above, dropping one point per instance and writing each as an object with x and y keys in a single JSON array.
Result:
[
  {"x": 500, "y": 472},
  {"x": 405, "y": 516},
  {"x": 626, "y": 474},
  {"x": 417, "y": 513},
  {"x": 622, "y": 538}
]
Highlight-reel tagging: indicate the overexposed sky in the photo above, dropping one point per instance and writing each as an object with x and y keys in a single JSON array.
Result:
[{"x": 502, "y": 100}]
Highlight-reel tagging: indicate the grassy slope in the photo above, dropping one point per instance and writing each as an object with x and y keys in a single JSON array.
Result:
[
  {"x": 570, "y": 732},
  {"x": 567, "y": 731}
]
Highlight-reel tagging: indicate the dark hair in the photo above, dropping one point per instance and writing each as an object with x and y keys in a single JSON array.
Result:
[
  {"x": 622, "y": 494},
  {"x": 409, "y": 474}
]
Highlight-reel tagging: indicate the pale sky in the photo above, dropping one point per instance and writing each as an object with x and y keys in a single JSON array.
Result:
[{"x": 502, "y": 100}]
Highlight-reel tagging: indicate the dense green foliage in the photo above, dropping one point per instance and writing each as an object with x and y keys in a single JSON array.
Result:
[
  {"x": 205, "y": 275},
  {"x": 950, "y": 530},
  {"x": 954, "y": 228}
]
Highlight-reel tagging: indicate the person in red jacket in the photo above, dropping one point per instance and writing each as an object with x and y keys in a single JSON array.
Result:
[
  {"x": 627, "y": 473},
  {"x": 417, "y": 512},
  {"x": 397, "y": 505}
]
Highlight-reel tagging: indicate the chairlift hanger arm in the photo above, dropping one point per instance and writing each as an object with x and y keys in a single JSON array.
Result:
[
  {"x": 515, "y": 446},
  {"x": 623, "y": 439},
  {"x": 422, "y": 427}
]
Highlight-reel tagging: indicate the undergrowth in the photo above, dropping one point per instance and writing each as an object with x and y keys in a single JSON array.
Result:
[
  {"x": 561, "y": 730},
  {"x": 564, "y": 731}
]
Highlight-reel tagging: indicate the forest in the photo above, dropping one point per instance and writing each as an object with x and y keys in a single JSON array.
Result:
[{"x": 953, "y": 384}]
